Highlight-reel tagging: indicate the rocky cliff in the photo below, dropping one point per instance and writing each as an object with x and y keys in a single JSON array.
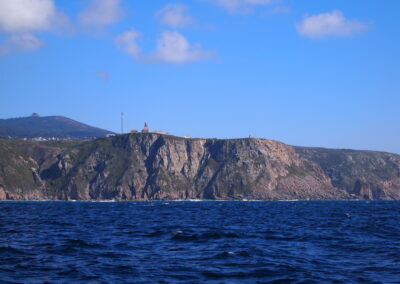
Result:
[
  {"x": 152, "y": 166},
  {"x": 363, "y": 174}
]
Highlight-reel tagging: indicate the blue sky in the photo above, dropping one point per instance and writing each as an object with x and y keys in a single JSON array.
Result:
[{"x": 311, "y": 73}]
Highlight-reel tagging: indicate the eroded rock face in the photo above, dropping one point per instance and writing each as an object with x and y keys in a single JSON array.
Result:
[
  {"x": 363, "y": 174},
  {"x": 3, "y": 195},
  {"x": 152, "y": 166}
]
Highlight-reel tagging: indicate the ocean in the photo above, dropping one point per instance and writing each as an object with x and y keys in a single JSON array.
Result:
[{"x": 200, "y": 242}]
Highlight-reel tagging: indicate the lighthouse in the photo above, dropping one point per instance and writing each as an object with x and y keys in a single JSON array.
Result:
[{"x": 145, "y": 128}]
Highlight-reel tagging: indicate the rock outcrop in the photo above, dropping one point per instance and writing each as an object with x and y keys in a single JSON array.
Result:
[
  {"x": 147, "y": 166},
  {"x": 363, "y": 174}
]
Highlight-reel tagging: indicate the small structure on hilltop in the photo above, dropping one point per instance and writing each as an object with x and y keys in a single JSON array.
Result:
[
  {"x": 161, "y": 132},
  {"x": 133, "y": 130},
  {"x": 35, "y": 114},
  {"x": 145, "y": 128}
]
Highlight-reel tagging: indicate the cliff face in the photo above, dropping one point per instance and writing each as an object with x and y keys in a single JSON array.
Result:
[
  {"x": 363, "y": 174},
  {"x": 151, "y": 166}
]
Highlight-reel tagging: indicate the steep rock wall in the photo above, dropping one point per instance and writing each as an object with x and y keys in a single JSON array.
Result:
[{"x": 152, "y": 166}]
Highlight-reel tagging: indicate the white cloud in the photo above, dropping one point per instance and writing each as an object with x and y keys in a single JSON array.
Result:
[
  {"x": 21, "y": 18},
  {"x": 241, "y": 6},
  {"x": 172, "y": 47},
  {"x": 20, "y": 43},
  {"x": 329, "y": 24},
  {"x": 101, "y": 13},
  {"x": 174, "y": 15},
  {"x": 127, "y": 42},
  {"x": 18, "y": 16}
]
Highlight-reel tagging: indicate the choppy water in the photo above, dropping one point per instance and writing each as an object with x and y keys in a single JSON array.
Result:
[{"x": 192, "y": 242}]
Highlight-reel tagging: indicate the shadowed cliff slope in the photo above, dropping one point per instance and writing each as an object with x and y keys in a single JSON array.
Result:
[{"x": 152, "y": 166}]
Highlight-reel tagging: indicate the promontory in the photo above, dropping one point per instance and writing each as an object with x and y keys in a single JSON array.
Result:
[{"x": 149, "y": 166}]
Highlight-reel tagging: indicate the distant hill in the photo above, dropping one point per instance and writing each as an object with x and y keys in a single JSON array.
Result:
[{"x": 48, "y": 126}]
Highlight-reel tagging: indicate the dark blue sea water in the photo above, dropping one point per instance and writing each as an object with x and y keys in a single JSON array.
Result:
[{"x": 194, "y": 242}]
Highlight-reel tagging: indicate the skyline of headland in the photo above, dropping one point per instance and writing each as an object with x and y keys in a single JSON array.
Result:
[{"x": 323, "y": 74}]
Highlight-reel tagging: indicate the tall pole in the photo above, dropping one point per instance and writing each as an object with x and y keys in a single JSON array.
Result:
[{"x": 122, "y": 122}]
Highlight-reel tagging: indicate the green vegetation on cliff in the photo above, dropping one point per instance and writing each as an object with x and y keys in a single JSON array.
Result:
[{"x": 147, "y": 166}]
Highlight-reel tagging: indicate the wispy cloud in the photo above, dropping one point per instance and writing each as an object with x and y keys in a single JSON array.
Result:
[
  {"x": 281, "y": 10},
  {"x": 241, "y": 6},
  {"x": 127, "y": 42},
  {"x": 103, "y": 75},
  {"x": 174, "y": 15},
  {"x": 20, "y": 43},
  {"x": 172, "y": 47},
  {"x": 329, "y": 24},
  {"x": 101, "y": 13}
]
